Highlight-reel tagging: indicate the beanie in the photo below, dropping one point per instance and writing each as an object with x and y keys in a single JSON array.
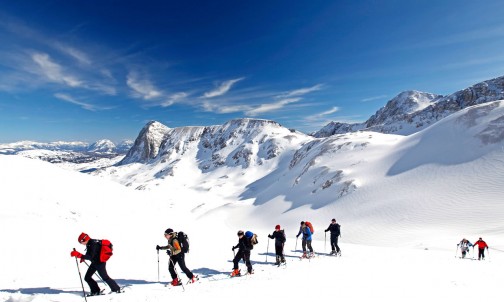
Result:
[
  {"x": 302, "y": 222},
  {"x": 168, "y": 231},
  {"x": 249, "y": 234},
  {"x": 277, "y": 227},
  {"x": 334, "y": 219},
  {"x": 83, "y": 237},
  {"x": 240, "y": 232}
]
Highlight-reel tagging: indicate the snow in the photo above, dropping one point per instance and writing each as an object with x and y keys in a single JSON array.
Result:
[{"x": 416, "y": 197}]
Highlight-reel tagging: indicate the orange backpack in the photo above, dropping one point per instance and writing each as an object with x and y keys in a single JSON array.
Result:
[{"x": 308, "y": 224}]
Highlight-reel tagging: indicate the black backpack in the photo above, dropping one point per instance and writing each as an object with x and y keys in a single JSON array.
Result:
[
  {"x": 284, "y": 238},
  {"x": 184, "y": 242}
]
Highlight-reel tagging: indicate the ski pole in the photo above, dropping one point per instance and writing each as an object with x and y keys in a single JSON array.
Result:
[
  {"x": 176, "y": 273},
  {"x": 80, "y": 278},
  {"x": 325, "y": 243},
  {"x": 157, "y": 265},
  {"x": 295, "y": 248},
  {"x": 267, "y": 250},
  {"x": 456, "y": 250}
]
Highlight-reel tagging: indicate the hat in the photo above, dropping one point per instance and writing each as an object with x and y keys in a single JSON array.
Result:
[
  {"x": 168, "y": 231},
  {"x": 83, "y": 237},
  {"x": 277, "y": 227},
  {"x": 302, "y": 222},
  {"x": 249, "y": 234},
  {"x": 334, "y": 219},
  {"x": 240, "y": 232}
]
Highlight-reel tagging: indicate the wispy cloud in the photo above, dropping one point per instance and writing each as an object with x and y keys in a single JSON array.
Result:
[
  {"x": 53, "y": 71},
  {"x": 301, "y": 91},
  {"x": 491, "y": 32},
  {"x": 222, "y": 108},
  {"x": 322, "y": 117},
  {"x": 374, "y": 98},
  {"x": 79, "y": 55},
  {"x": 142, "y": 88},
  {"x": 263, "y": 108},
  {"x": 222, "y": 89},
  {"x": 174, "y": 98},
  {"x": 69, "y": 99}
]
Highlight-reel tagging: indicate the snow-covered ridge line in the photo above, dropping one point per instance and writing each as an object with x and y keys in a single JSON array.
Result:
[{"x": 412, "y": 111}]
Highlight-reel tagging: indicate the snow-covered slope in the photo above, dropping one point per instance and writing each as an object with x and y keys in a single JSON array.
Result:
[
  {"x": 412, "y": 111},
  {"x": 415, "y": 198}
]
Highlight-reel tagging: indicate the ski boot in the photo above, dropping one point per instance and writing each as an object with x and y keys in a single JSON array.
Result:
[
  {"x": 194, "y": 279},
  {"x": 235, "y": 273},
  {"x": 250, "y": 272},
  {"x": 277, "y": 262},
  {"x": 176, "y": 282}
]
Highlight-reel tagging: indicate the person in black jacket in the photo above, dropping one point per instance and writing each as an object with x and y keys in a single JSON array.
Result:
[
  {"x": 93, "y": 248},
  {"x": 244, "y": 246},
  {"x": 279, "y": 236},
  {"x": 335, "y": 233}
]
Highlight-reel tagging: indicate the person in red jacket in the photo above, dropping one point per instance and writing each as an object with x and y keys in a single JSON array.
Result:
[
  {"x": 481, "y": 248},
  {"x": 93, "y": 247}
]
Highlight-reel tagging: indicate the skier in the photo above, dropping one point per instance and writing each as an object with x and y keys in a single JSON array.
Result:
[
  {"x": 244, "y": 247},
  {"x": 279, "y": 236},
  {"x": 93, "y": 248},
  {"x": 174, "y": 250},
  {"x": 464, "y": 245},
  {"x": 481, "y": 248},
  {"x": 306, "y": 239},
  {"x": 335, "y": 233}
]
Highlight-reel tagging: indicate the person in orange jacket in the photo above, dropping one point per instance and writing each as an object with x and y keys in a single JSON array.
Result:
[{"x": 481, "y": 248}]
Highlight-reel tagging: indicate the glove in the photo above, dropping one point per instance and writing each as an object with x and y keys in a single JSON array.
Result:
[
  {"x": 76, "y": 254},
  {"x": 233, "y": 248},
  {"x": 158, "y": 247},
  {"x": 168, "y": 252},
  {"x": 297, "y": 236}
]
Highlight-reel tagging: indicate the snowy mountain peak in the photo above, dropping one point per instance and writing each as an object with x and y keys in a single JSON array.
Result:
[
  {"x": 102, "y": 146},
  {"x": 398, "y": 108},
  {"x": 147, "y": 144}
]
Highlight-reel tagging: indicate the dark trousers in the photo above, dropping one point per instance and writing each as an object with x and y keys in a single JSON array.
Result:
[
  {"x": 334, "y": 243},
  {"x": 279, "y": 252},
  {"x": 481, "y": 254},
  {"x": 304, "y": 243},
  {"x": 102, "y": 271},
  {"x": 179, "y": 258},
  {"x": 245, "y": 255}
]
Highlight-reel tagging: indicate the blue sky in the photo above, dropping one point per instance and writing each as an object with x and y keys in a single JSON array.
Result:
[{"x": 87, "y": 70}]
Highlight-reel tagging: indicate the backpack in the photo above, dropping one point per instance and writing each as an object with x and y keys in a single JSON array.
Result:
[
  {"x": 308, "y": 224},
  {"x": 184, "y": 242},
  {"x": 284, "y": 238},
  {"x": 252, "y": 237},
  {"x": 105, "y": 250}
]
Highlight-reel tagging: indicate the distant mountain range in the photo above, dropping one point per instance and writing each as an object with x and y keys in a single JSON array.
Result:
[
  {"x": 74, "y": 155},
  {"x": 255, "y": 148}
]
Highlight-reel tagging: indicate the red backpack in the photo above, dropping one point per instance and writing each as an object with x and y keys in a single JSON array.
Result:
[
  {"x": 308, "y": 224},
  {"x": 105, "y": 250}
]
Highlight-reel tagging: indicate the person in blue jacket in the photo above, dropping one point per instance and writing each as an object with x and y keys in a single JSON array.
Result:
[
  {"x": 306, "y": 239},
  {"x": 464, "y": 246}
]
